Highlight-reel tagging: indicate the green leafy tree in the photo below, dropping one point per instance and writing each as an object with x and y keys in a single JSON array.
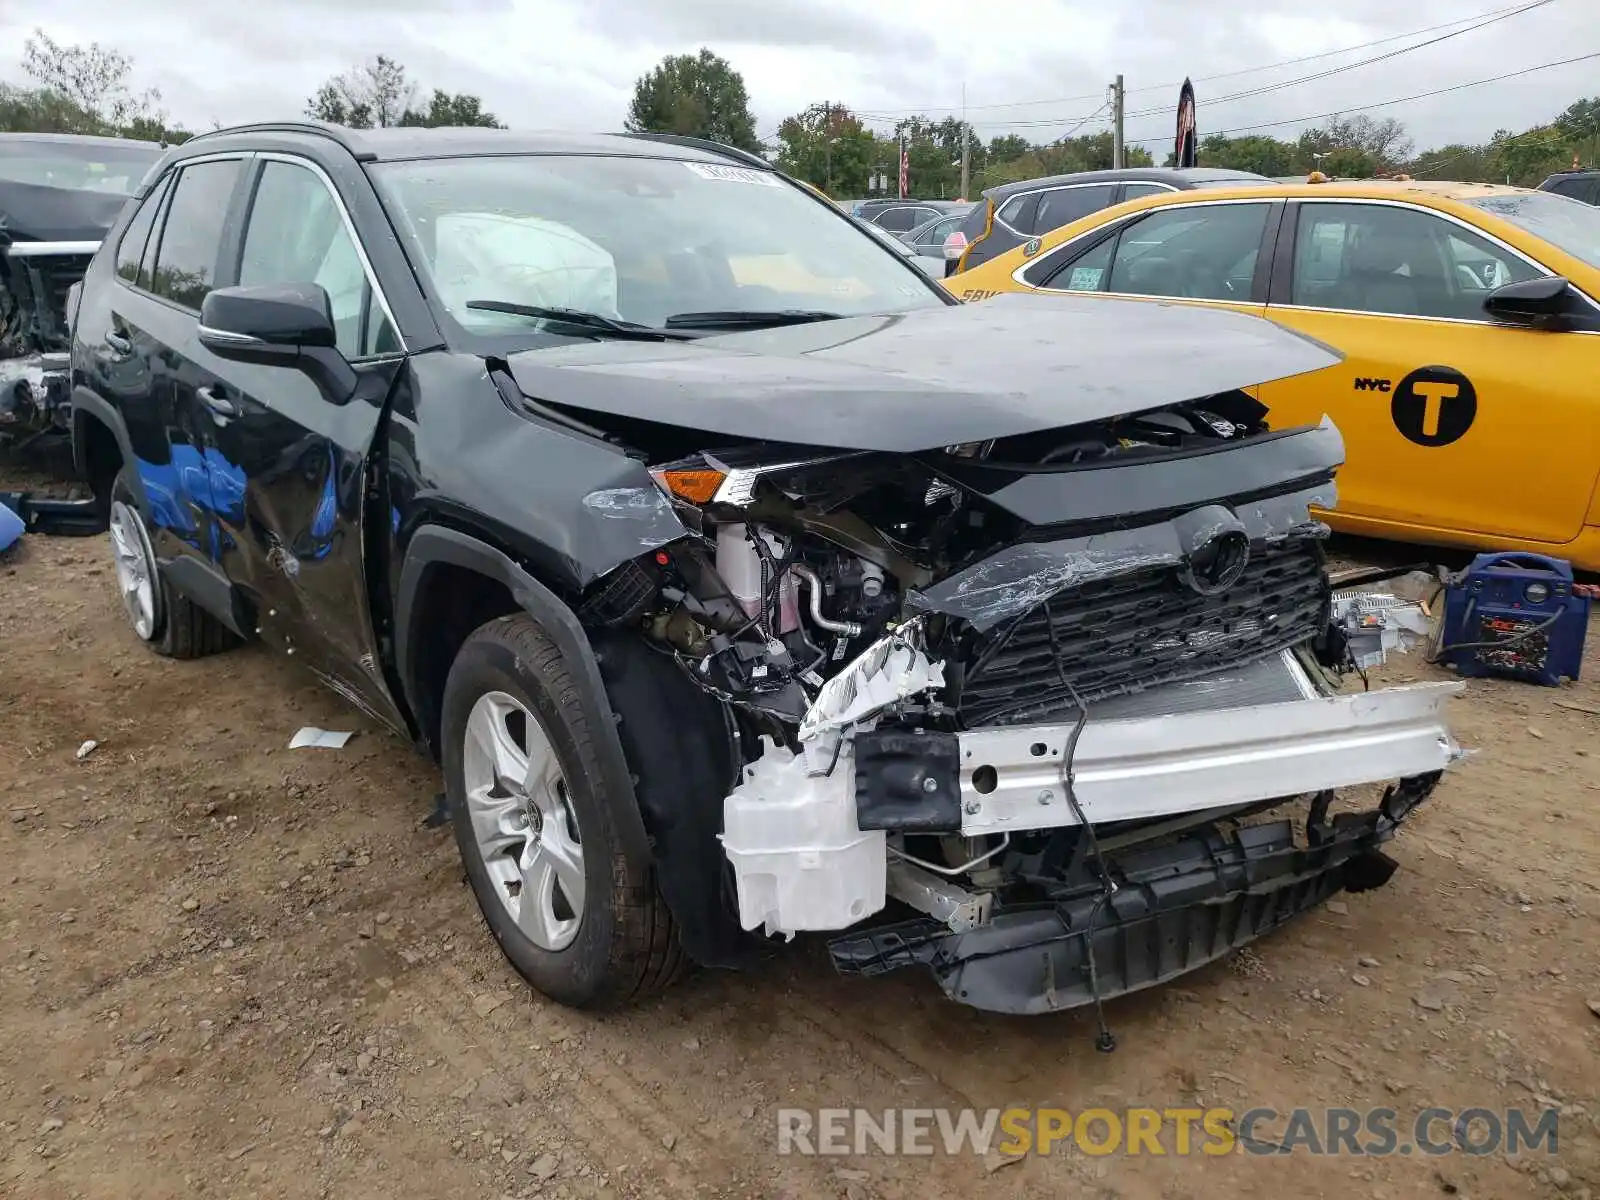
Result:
[
  {"x": 826, "y": 145},
  {"x": 1086, "y": 152},
  {"x": 1526, "y": 158},
  {"x": 1468, "y": 164},
  {"x": 38, "y": 110},
  {"x": 94, "y": 81},
  {"x": 1263, "y": 155},
  {"x": 373, "y": 94},
  {"x": 1004, "y": 149},
  {"x": 694, "y": 95},
  {"x": 452, "y": 109}
]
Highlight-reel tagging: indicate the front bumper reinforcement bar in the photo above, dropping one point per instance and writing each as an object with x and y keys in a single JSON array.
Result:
[{"x": 1132, "y": 769}]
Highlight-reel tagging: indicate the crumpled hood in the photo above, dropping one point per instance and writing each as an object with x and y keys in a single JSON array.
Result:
[
  {"x": 937, "y": 377},
  {"x": 36, "y": 213}
]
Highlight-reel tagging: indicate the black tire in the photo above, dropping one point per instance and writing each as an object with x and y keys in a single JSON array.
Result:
[
  {"x": 626, "y": 946},
  {"x": 183, "y": 629}
]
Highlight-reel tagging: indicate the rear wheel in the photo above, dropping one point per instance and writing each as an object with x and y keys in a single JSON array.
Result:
[
  {"x": 168, "y": 621},
  {"x": 539, "y": 841}
]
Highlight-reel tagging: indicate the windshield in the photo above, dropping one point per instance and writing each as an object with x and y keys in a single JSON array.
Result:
[
  {"x": 87, "y": 166},
  {"x": 640, "y": 240},
  {"x": 1567, "y": 224}
]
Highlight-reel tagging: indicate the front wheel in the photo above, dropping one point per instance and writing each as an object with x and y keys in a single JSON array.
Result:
[
  {"x": 162, "y": 617},
  {"x": 540, "y": 846}
]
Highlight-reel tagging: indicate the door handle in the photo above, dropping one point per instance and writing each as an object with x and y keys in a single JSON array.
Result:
[
  {"x": 118, "y": 342},
  {"x": 218, "y": 403}
]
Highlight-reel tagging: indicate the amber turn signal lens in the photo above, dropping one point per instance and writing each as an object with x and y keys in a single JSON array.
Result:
[{"x": 695, "y": 486}]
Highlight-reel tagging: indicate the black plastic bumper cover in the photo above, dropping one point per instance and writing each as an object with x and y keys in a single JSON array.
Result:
[{"x": 1176, "y": 908}]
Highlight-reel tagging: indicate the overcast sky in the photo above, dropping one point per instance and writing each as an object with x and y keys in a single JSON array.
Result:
[{"x": 571, "y": 64}]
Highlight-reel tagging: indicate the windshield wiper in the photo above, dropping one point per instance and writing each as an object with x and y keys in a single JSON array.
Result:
[
  {"x": 592, "y": 322},
  {"x": 742, "y": 318}
]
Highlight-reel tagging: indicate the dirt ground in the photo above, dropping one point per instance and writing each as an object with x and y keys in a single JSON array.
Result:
[{"x": 232, "y": 969}]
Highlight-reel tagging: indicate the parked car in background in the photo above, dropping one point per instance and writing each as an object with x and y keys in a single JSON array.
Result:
[
  {"x": 1467, "y": 314},
  {"x": 898, "y": 244},
  {"x": 59, "y": 194},
  {"x": 739, "y": 577},
  {"x": 1579, "y": 185},
  {"x": 904, "y": 216},
  {"x": 927, "y": 241},
  {"x": 1014, "y": 213}
]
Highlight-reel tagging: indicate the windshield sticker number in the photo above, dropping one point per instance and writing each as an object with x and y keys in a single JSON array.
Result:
[
  {"x": 1085, "y": 279},
  {"x": 732, "y": 174}
]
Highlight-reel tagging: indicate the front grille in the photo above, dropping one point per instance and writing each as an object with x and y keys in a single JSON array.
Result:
[{"x": 1140, "y": 630}]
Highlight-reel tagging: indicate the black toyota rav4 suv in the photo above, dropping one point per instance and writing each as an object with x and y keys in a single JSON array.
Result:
[{"x": 743, "y": 582}]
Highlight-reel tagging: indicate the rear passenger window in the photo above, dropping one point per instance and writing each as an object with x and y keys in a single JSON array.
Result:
[
  {"x": 1065, "y": 205},
  {"x": 130, "y": 252},
  {"x": 1207, "y": 252},
  {"x": 1017, "y": 212},
  {"x": 1132, "y": 191},
  {"x": 186, "y": 258}
]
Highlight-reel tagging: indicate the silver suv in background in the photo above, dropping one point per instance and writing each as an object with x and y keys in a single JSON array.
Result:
[{"x": 1012, "y": 213}]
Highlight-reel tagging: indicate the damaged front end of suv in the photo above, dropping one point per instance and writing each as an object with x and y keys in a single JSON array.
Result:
[
  {"x": 1035, "y": 688},
  {"x": 59, "y": 196}
]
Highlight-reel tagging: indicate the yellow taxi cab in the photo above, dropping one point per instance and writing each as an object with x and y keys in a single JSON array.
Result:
[{"x": 1468, "y": 314}]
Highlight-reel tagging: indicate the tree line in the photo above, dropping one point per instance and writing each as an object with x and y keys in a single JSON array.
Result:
[
  {"x": 89, "y": 89},
  {"x": 828, "y": 145}
]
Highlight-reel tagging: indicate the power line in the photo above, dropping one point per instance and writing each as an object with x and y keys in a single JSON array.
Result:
[
  {"x": 1303, "y": 79},
  {"x": 1339, "y": 112},
  {"x": 888, "y": 113},
  {"x": 1365, "y": 62}
]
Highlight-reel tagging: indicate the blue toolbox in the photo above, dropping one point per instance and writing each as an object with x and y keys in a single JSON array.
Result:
[{"x": 1515, "y": 615}]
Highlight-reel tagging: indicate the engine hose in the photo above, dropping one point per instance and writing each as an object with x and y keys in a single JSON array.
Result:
[{"x": 810, "y": 577}]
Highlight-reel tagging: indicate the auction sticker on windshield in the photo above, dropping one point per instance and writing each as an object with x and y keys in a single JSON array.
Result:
[{"x": 732, "y": 174}]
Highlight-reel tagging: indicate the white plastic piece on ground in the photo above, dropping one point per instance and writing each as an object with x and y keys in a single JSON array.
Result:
[
  {"x": 86, "y": 749},
  {"x": 1378, "y": 624},
  {"x": 1011, "y": 777},
  {"x": 323, "y": 738},
  {"x": 799, "y": 859},
  {"x": 892, "y": 669}
]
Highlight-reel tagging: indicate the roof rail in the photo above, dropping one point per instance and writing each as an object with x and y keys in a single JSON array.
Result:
[
  {"x": 350, "y": 139},
  {"x": 706, "y": 144}
]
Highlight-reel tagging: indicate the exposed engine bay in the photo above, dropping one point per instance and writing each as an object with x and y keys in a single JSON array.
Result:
[
  {"x": 1039, "y": 690},
  {"x": 34, "y": 339}
]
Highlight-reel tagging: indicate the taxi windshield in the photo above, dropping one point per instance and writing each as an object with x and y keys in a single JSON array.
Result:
[
  {"x": 652, "y": 242},
  {"x": 1567, "y": 224}
]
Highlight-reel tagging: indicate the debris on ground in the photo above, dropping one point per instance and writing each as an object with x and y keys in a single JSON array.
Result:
[
  {"x": 86, "y": 749},
  {"x": 1378, "y": 624},
  {"x": 326, "y": 739}
]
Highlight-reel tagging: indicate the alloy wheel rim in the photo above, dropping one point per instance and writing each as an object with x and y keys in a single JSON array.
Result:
[
  {"x": 136, "y": 569},
  {"x": 522, "y": 821}
]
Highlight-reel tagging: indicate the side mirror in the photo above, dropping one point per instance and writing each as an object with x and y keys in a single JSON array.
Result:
[
  {"x": 282, "y": 324},
  {"x": 1534, "y": 303}
]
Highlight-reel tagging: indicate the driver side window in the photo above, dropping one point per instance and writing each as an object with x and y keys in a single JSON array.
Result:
[
  {"x": 296, "y": 234},
  {"x": 1205, "y": 252}
]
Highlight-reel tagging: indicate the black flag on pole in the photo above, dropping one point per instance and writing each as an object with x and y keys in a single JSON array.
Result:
[{"x": 1184, "y": 150}]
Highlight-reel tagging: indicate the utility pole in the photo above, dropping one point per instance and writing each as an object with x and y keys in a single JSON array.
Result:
[
  {"x": 965, "y": 130},
  {"x": 827, "y": 145},
  {"x": 1117, "y": 156}
]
